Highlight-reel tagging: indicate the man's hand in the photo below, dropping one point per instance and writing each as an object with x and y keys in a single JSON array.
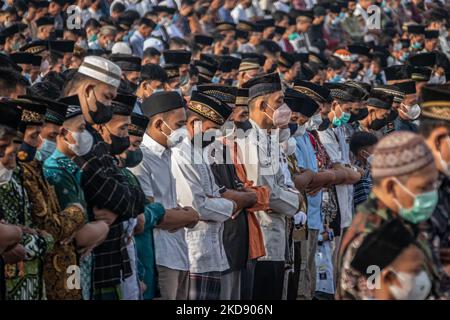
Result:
[
  {"x": 140, "y": 224},
  {"x": 192, "y": 217},
  {"x": 90, "y": 236},
  {"x": 14, "y": 255},
  {"x": 243, "y": 199},
  {"x": 10, "y": 235},
  {"x": 302, "y": 180},
  {"x": 216, "y": 5},
  {"x": 105, "y": 215},
  {"x": 28, "y": 230},
  {"x": 177, "y": 218}
]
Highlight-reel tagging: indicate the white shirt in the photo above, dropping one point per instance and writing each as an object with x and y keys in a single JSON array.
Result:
[
  {"x": 265, "y": 169},
  {"x": 239, "y": 13},
  {"x": 337, "y": 147},
  {"x": 196, "y": 187},
  {"x": 280, "y": 6},
  {"x": 155, "y": 176}
]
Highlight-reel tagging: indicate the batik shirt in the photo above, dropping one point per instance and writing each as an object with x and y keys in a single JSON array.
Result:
[
  {"x": 23, "y": 279},
  {"x": 65, "y": 178},
  {"x": 351, "y": 284}
]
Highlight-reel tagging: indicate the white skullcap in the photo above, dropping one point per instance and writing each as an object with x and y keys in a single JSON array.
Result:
[
  {"x": 155, "y": 43},
  {"x": 101, "y": 69},
  {"x": 121, "y": 47}
]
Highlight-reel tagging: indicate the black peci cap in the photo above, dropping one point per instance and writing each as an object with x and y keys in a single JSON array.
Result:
[
  {"x": 299, "y": 102},
  {"x": 138, "y": 125},
  {"x": 123, "y": 104},
  {"x": 209, "y": 107},
  {"x": 160, "y": 102}
]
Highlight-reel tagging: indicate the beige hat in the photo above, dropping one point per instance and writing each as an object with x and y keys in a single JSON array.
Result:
[
  {"x": 101, "y": 69},
  {"x": 249, "y": 64},
  {"x": 400, "y": 153}
]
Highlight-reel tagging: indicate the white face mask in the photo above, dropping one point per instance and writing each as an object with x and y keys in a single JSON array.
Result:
[
  {"x": 5, "y": 174},
  {"x": 444, "y": 164},
  {"x": 301, "y": 130},
  {"x": 314, "y": 122},
  {"x": 412, "y": 286},
  {"x": 176, "y": 136},
  {"x": 109, "y": 45},
  {"x": 228, "y": 128},
  {"x": 413, "y": 112},
  {"x": 397, "y": 46},
  {"x": 83, "y": 144},
  {"x": 284, "y": 134},
  {"x": 437, "y": 79},
  {"x": 289, "y": 146}
]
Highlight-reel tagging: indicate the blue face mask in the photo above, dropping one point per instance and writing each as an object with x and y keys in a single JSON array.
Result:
[
  {"x": 423, "y": 205},
  {"x": 404, "y": 57},
  {"x": 215, "y": 79},
  {"x": 345, "y": 116},
  {"x": 336, "y": 79},
  {"x": 127, "y": 36},
  {"x": 46, "y": 150},
  {"x": 417, "y": 45}
]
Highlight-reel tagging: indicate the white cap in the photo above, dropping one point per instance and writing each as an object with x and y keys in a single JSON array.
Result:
[
  {"x": 101, "y": 69},
  {"x": 121, "y": 47}
]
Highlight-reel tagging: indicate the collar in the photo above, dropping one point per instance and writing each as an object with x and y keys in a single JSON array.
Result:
[
  {"x": 154, "y": 146},
  {"x": 57, "y": 154}
]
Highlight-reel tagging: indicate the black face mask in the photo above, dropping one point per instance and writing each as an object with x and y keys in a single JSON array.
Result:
[
  {"x": 377, "y": 124},
  {"x": 133, "y": 158},
  {"x": 26, "y": 152},
  {"x": 103, "y": 114},
  {"x": 228, "y": 82},
  {"x": 353, "y": 74},
  {"x": 392, "y": 115},
  {"x": 325, "y": 124},
  {"x": 362, "y": 113},
  {"x": 243, "y": 125},
  {"x": 52, "y": 36},
  {"x": 133, "y": 86},
  {"x": 118, "y": 144},
  {"x": 272, "y": 68}
]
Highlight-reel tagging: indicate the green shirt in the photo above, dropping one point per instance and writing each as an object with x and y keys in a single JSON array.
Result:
[
  {"x": 65, "y": 176},
  {"x": 146, "y": 264}
]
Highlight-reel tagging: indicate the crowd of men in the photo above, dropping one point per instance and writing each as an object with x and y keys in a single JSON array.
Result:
[{"x": 224, "y": 149}]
